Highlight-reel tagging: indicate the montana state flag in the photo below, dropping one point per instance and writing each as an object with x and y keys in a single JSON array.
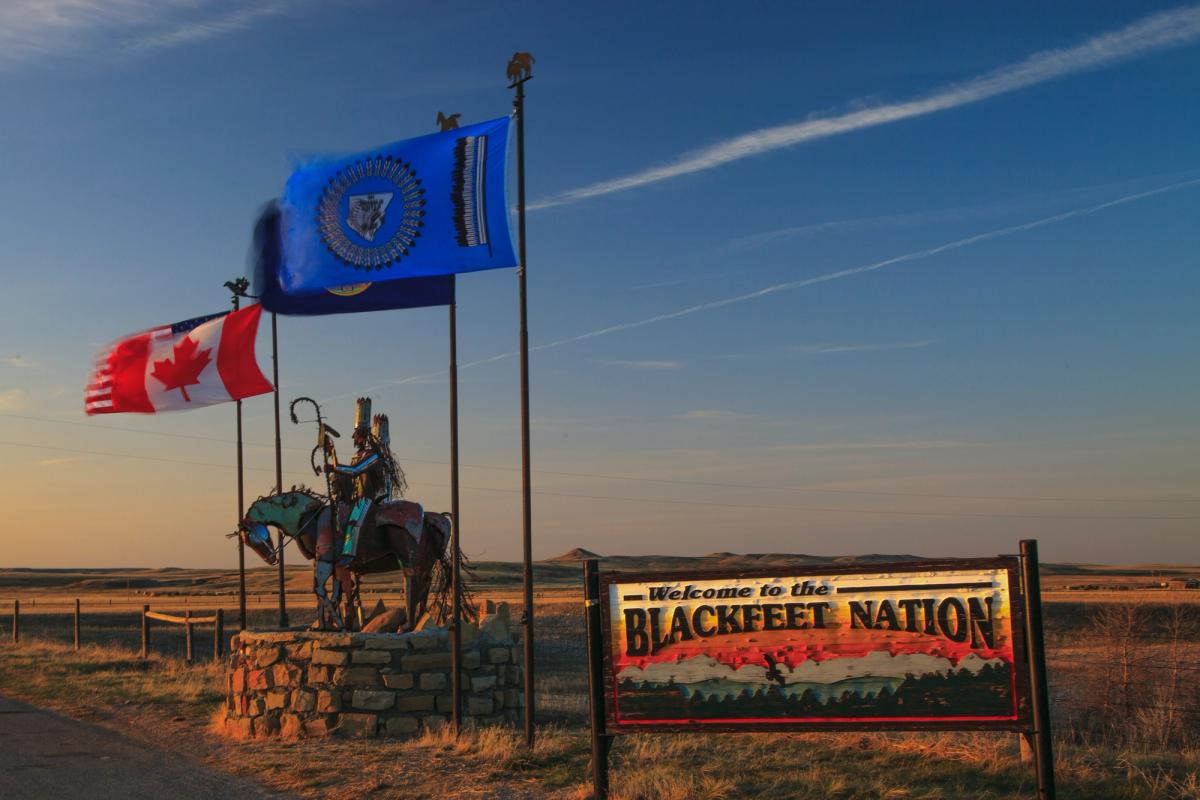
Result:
[
  {"x": 434, "y": 205},
  {"x": 436, "y": 290},
  {"x": 197, "y": 362}
]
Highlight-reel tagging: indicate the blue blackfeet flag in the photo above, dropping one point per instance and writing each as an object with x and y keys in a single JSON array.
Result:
[
  {"x": 435, "y": 290},
  {"x": 434, "y": 205}
]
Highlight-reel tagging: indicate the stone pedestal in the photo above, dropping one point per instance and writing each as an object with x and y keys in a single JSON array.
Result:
[{"x": 307, "y": 683}]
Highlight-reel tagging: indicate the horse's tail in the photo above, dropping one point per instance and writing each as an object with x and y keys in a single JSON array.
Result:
[{"x": 443, "y": 588}]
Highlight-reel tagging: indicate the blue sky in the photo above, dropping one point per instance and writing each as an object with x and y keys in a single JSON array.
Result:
[{"x": 975, "y": 225}]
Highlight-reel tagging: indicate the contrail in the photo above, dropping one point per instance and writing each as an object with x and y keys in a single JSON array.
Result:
[
  {"x": 845, "y": 273},
  {"x": 1157, "y": 32},
  {"x": 800, "y": 284}
]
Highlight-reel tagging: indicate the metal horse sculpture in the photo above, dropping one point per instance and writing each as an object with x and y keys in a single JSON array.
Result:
[{"x": 388, "y": 544}]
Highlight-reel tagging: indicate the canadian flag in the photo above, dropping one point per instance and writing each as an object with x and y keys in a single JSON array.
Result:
[{"x": 197, "y": 362}]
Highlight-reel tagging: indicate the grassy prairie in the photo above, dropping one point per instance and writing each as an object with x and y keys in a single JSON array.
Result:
[
  {"x": 1124, "y": 663},
  {"x": 1113, "y": 741}
]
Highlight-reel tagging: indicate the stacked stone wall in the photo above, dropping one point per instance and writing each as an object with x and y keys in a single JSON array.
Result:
[{"x": 298, "y": 684}]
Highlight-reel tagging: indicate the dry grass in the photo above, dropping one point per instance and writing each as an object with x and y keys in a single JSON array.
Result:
[
  {"x": 169, "y": 704},
  {"x": 101, "y": 678}
]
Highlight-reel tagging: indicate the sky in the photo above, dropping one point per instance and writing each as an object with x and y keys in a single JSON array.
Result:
[{"x": 803, "y": 277}]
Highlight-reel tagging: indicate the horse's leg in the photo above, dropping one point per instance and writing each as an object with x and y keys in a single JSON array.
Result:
[
  {"x": 356, "y": 604},
  {"x": 349, "y": 590},
  {"x": 410, "y": 605},
  {"x": 421, "y": 590},
  {"x": 358, "y": 608},
  {"x": 322, "y": 572}
]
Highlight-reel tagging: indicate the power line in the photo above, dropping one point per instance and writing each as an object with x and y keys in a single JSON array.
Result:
[
  {"x": 814, "y": 490},
  {"x": 833, "y": 509},
  {"x": 663, "y": 501},
  {"x": 138, "y": 430},
  {"x": 677, "y": 482}
]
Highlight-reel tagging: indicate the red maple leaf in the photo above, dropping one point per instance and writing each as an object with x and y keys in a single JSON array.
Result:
[{"x": 185, "y": 369}]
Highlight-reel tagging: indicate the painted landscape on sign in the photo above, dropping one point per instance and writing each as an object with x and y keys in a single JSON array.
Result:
[{"x": 891, "y": 646}]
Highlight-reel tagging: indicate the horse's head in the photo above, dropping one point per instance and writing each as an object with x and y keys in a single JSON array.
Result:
[
  {"x": 284, "y": 511},
  {"x": 257, "y": 537}
]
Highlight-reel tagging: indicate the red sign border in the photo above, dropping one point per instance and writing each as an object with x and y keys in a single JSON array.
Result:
[{"x": 1021, "y": 673}]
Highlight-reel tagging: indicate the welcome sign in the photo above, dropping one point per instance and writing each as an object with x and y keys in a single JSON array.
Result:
[{"x": 922, "y": 644}]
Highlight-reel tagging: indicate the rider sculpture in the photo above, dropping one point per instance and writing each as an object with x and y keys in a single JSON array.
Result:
[
  {"x": 372, "y": 476},
  {"x": 373, "y": 530}
]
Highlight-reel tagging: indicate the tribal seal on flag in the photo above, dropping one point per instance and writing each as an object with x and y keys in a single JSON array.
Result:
[
  {"x": 197, "y": 362},
  {"x": 356, "y": 216},
  {"x": 366, "y": 213}
]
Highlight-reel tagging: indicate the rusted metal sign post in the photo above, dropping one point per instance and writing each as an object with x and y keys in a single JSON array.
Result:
[
  {"x": 951, "y": 644},
  {"x": 1043, "y": 747}
]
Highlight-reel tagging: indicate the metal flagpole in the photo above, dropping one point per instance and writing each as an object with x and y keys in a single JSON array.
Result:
[
  {"x": 283, "y": 617},
  {"x": 448, "y": 123},
  {"x": 239, "y": 287},
  {"x": 520, "y": 70},
  {"x": 456, "y": 521}
]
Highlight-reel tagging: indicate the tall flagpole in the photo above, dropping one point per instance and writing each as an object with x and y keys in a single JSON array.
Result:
[
  {"x": 520, "y": 70},
  {"x": 449, "y": 123},
  {"x": 283, "y": 617},
  {"x": 456, "y": 521},
  {"x": 239, "y": 287}
]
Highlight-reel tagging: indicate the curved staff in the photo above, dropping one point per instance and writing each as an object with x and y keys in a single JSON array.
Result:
[{"x": 323, "y": 570}]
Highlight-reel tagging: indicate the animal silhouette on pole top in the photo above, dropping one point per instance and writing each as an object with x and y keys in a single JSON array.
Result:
[
  {"x": 520, "y": 67},
  {"x": 447, "y": 123}
]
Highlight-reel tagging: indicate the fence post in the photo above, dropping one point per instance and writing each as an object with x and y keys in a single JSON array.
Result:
[
  {"x": 595, "y": 646},
  {"x": 76, "y": 624},
  {"x": 188, "y": 628},
  {"x": 145, "y": 631},
  {"x": 16, "y": 621},
  {"x": 218, "y": 633},
  {"x": 1043, "y": 750}
]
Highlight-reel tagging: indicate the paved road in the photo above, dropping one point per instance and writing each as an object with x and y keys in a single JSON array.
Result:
[{"x": 46, "y": 755}]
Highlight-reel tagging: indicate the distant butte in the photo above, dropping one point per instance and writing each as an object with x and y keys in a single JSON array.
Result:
[{"x": 578, "y": 554}]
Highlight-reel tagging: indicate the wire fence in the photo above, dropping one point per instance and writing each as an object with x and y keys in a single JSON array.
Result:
[
  {"x": 192, "y": 634},
  {"x": 1134, "y": 686}
]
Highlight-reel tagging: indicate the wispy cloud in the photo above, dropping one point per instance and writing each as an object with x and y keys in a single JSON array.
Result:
[
  {"x": 1150, "y": 34},
  {"x": 639, "y": 364},
  {"x": 880, "y": 222},
  {"x": 933, "y": 444},
  {"x": 42, "y": 29},
  {"x": 680, "y": 280},
  {"x": 710, "y": 413},
  {"x": 17, "y": 361},
  {"x": 823, "y": 349},
  {"x": 54, "y": 462},
  {"x": 1036, "y": 202},
  {"x": 872, "y": 267},
  {"x": 197, "y": 31},
  {"x": 14, "y": 400},
  {"x": 803, "y": 283}
]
